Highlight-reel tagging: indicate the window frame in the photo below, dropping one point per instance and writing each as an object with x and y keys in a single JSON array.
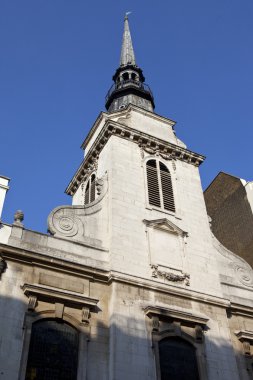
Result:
[
  {"x": 39, "y": 331},
  {"x": 199, "y": 350},
  {"x": 88, "y": 182},
  {"x": 83, "y": 335},
  {"x": 173, "y": 183}
]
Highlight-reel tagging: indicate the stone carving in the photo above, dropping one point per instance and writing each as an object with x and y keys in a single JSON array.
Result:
[
  {"x": 242, "y": 270},
  {"x": 243, "y": 274},
  {"x": 3, "y": 266},
  {"x": 85, "y": 314},
  {"x": 246, "y": 348},
  {"x": 155, "y": 323},
  {"x": 155, "y": 151},
  {"x": 99, "y": 185},
  {"x": 65, "y": 222},
  {"x": 69, "y": 221},
  {"x": 32, "y": 303},
  {"x": 18, "y": 217},
  {"x": 170, "y": 276},
  {"x": 93, "y": 167},
  {"x": 199, "y": 333}
]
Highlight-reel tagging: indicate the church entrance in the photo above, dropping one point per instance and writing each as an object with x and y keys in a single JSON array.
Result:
[{"x": 53, "y": 352}]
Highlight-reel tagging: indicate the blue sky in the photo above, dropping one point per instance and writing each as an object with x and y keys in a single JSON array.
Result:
[{"x": 57, "y": 60}]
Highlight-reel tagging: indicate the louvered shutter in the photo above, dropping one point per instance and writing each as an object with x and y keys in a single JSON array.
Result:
[
  {"x": 167, "y": 190},
  {"x": 153, "y": 184},
  {"x": 87, "y": 193},
  {"x": 92, "y": 188}
]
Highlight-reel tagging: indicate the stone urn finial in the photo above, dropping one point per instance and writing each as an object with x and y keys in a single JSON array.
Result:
[{"x": 18, "y": 217}]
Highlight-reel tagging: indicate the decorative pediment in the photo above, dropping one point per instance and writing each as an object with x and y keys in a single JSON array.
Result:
[{"x": 165, "y": 225}]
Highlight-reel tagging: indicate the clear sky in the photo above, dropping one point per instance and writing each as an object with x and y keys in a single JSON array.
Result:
[{"x": 57, "y": 60}]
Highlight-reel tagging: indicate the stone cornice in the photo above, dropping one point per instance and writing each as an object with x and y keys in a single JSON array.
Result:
[
  {"x": 169, "y": 289},
  {"x": 243, "y": 335},
  {"x": 62, "y": 265},
  {"x": 239, "y": 309},
  {"x": 112, "y": 128},
  {"x": 122, "y": 113},
  {"x": 93, "y": 128},
  {"x": 179, "y": 315},
  {"x": 106, "y": 276},
  {"x": 45, "y": 292}
]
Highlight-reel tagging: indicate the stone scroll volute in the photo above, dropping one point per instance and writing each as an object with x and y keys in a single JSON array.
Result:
[{"x": 71, "y": 221}]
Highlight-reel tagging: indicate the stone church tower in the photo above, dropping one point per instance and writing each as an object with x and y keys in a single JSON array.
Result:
[{"x": 129, "y": 283}]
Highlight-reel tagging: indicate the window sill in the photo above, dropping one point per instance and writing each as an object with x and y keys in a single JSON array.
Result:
[{"x": 163, "y": 211}]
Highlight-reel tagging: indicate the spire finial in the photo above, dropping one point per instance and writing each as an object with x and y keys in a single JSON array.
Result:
[
  {"x": 127, "y": 52},
  {"x": 127, "y": 14}
]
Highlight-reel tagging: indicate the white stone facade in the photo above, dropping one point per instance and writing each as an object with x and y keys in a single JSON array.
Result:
[{"x": 125, "y": 273}]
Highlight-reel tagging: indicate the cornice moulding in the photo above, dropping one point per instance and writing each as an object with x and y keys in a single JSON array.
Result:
[
  {"x": 116, "y": 129},
  {"x": 169, "y": 289},
  {"x": 238, "y": 309},
  {"x": 243, "y": 335},
  {"x": 106, "y": 276},
  {"x": 163, "y": 223},
  {"x": 179, "y": 315},
  {"x": 108, "y": 115},
  {"x": 48, "y": 262},
  {"x": 43, "y": 292}
]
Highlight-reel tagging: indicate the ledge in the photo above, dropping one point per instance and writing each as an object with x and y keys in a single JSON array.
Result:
[
  {"x": 115, "y": 128},
  {"x": 243, "y": 335},
  {"x": 178, "y": 315},
  {"x": 68, "y": 298}
]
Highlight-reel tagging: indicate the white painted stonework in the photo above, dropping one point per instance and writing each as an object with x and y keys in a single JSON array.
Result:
[{"x": 4, "y": 182}]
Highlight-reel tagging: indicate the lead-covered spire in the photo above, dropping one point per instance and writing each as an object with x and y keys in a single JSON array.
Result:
[
  {"x": 129, "y": 83},
  {"x": 127, "y": 56}
]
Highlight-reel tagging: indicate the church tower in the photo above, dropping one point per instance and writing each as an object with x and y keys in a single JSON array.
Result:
[
  {"x": 129, "y": 283},
  {"x": 139, "y": 196}
]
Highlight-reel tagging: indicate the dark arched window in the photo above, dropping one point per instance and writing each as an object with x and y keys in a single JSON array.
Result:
[
  {"x": 90, "y": 190},
  {"x": 53, "y": 351},
  {"x": 160, "y": 191},
  {"x": 177, "y": 359},
  {"x": 125, "y": 76}
]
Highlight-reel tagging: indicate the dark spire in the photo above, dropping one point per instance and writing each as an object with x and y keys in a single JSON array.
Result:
[
  {"x": 127, "y": 51},
  {"x": 129, "y": 86}
]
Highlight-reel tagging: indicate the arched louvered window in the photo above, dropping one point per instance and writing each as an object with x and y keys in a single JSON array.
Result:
[
  {"x": 90, "y": 190},
  {"x": 160, "y": 191}
]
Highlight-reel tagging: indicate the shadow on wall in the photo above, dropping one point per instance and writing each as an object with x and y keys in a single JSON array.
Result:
[{"x": 125, "y": 351}]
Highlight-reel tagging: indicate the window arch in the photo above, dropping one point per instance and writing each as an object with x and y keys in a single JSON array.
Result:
[
  {"x": 160, "y": 190},
  {"x": 177, "y": 359},
  {"x": 90, "y": 190},
  {"x": 53, "y": 351}
]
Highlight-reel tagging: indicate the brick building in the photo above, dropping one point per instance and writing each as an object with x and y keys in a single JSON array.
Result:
[{"x": 229, "y": 203}]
